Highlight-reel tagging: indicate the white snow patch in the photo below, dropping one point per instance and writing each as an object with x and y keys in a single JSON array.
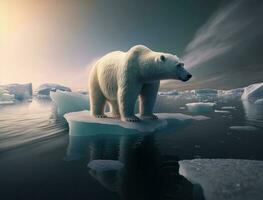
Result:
[
  {"x": 243, "y": 128},
  {"x": 225, "y": 179},
  {"x": 200, "y": 106}
]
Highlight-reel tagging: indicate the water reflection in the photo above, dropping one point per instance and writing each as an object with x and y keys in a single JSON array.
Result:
[
  {"x": 253, "y": 113},
  {"x": 132, "y": 166}
]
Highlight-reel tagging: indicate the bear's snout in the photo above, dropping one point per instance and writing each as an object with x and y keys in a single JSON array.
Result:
[{"x": 188, "y": 76}]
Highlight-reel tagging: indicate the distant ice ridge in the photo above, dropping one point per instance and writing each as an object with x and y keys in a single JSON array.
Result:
[
  {"x": 225, "y": 179},
  {"x": 83, "y": 124},
  {"x": 69, "y": 101},
  {"x": 252, "y": 93},
  {"x": 44, "y": 89},
  {"x": 18, "y": 91}
]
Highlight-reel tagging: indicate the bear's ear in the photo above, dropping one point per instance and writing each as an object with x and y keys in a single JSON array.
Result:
[{"x": 162, "y": 58}]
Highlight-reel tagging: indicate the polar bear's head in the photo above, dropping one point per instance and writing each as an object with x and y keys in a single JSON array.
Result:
[
  {"x": 170, "y": 67},
  {"x": 157, "y": 65}
]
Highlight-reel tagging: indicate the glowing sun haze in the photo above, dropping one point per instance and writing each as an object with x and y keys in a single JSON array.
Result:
[
  {"x": 55, "y": 40},
  {"x": 35, "y": 42}
]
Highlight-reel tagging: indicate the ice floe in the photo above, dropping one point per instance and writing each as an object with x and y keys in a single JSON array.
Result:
[
  {"x": 222, "y": 111},
  {"x": 82, "y": 123},
  {"x": 225, "y": 179},
  {"x": 243, "y": 128}
]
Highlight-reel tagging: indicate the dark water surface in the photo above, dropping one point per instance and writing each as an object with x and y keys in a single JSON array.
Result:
[{"x": 38, "y": 160}]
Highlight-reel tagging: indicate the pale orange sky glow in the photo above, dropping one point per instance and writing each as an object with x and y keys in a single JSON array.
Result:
[{"x": 31, "y": 42}]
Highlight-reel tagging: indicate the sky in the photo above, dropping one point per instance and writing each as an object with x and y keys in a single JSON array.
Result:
[{"x": 57, "y": 40}]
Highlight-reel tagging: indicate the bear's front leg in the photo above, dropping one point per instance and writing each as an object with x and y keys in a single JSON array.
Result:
[
  {"x": 127, "y": 97},
  {"x": 147, "y": 100}
]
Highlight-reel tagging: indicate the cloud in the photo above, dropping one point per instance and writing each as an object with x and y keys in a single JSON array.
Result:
[{"x": 228, "y": 27}]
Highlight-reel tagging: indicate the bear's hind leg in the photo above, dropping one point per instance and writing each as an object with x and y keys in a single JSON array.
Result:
[{"x": 97, "y": 103}]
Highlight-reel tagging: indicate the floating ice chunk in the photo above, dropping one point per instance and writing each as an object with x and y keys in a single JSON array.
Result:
[
  {"x": 200, "y": 106},
  {"x": 222, "y": 111},
  {"x": 6, "y": 102},
  {"x": 82, "y": 123},
  {"x": 253, "y": 92},
  {"x": 20, "y": 91},
  {"x": 44, "y": 90},
  {"x": 69, "y": 101},
  {"x": 228, "y": 108},
  {"x": 225, "y": 179},
  {"x": 243, "y": 128},
  {"x": 105, "y": 165},
  {"x": 259, "y": 101},
  {"x": 169, "y": 93}
]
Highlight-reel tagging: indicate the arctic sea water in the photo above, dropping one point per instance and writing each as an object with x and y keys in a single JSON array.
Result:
[{"x": 38, "y": 159}]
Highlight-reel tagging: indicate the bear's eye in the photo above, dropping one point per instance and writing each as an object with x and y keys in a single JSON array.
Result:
[{"x": 162, "y": 58}]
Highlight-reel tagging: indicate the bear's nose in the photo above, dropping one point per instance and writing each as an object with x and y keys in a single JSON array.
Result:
[{"x": 189, "y": 76}]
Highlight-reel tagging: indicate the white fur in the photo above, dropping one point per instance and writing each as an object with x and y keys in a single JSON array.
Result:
[{"x": 120, "y": 77}]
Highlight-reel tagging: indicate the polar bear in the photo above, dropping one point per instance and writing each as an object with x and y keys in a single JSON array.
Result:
[{"x": 119, "y": 78}]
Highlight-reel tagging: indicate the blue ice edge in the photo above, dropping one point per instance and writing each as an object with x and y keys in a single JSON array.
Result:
[{"x": 83, "y": 124}]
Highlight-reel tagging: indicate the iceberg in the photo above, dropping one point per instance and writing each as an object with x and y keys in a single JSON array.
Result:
[
  {"x": 200, "y": 107},
  {"x": 83, "y": 124},
  {"x": 253, "y": 92},
  {"x": 243, "y": 128},
  {"x": 225, "y": 179},
  {"x": 44, "y": 90},
  {"x": 6, "y": 98},
  {"x": 20, "y": 91},
  {"x": 69, "y": 101}
]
